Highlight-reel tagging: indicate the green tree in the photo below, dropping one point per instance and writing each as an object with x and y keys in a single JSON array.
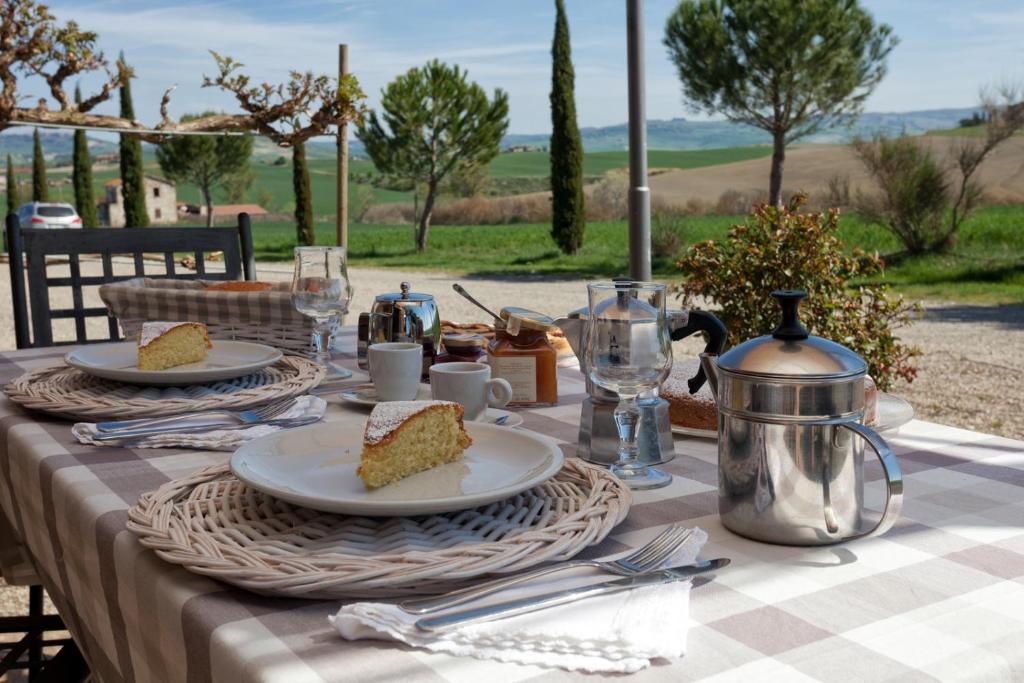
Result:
[
  {"x": 81, "y": 176},
  {"x": 568, "y": 215},
  {"x": 788, "y": 67},
  {"x": 40, "y": 192},
  {"x": 13, "y": 201},
  {"x": 133, "y": 188},
  {"x": 433, "y": 121},
  {"x": 206, "y": 161},
  {"x": 304, "y": 233},
  {"x": 236, "y": 185}
]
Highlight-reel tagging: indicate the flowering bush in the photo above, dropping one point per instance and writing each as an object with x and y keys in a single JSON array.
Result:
[{"x": 781, "y": 248}]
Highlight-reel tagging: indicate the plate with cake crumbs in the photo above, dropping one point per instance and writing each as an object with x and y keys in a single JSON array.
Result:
[
  {"x": 415, "y": 459},
  {"x": 224, "y": 359}
]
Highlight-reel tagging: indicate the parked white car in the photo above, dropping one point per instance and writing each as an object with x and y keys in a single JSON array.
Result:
[{"x": 48, "y": 215}]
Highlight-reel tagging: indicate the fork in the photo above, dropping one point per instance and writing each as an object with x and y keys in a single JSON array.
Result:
[
  {"x": 643, "y": 559},
  {"x": 128, "y": 437},
  {"x": 243, "y": 417}
]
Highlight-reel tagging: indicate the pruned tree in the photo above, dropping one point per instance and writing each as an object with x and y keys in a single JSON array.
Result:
[
  {"x": 133, "y": 182},
  {"x": 13, "y": 200},
  {"x": 568, "y": 213},
  {"x": 788, "y": 67},
  {"x": 305, "y": 233},
  {"x": 40, "y": 188},
  {"x": 206, "y": 161},
  {"x": 34, "y": 45},
  {"x": 433, "y": 120},
  {"x": 81, "y": 177}
]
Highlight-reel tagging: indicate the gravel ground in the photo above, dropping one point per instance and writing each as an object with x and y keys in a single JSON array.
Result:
[{"x": 971, "y": 373}]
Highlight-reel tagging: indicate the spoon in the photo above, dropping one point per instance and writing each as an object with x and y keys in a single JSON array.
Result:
[{"x": 461, "y": 290}]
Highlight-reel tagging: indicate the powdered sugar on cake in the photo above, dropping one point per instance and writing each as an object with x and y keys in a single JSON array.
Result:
[
  {"x": 676, "y": 384},
  {"x": 389, "y": 416},
  {"x": 153, "y": 330}
]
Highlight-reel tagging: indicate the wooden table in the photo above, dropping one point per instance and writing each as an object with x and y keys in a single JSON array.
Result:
[{"x": 940, "y": 597}]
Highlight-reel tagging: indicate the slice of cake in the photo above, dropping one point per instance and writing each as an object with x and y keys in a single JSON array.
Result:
[
  {"x": 695, "y": 411},
  {"x": 406, "y": 437},
  {"x": 164, "y": 345}
]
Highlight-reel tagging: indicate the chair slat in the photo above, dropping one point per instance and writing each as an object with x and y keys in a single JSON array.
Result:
[
  {"x": 200, "y": 263},
  {"x": 169, "y": 263},
  {"x": 76, "y": 296}
]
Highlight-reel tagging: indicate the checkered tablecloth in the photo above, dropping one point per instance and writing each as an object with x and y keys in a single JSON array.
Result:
[{"x": 940, "y": 597}]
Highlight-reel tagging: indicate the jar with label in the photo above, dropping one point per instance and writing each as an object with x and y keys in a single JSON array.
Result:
[
  {"x": 522, "y": 355},
  {"x": 462, "y": 347}
]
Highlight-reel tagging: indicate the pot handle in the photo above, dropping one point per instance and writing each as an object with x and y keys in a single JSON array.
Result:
[
  {"x": 893, "y": 483},
  {"x": 702, "y": 321}
]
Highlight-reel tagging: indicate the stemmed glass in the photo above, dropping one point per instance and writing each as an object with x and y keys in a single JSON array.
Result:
[
  {"x": 629, "y": 351},
  {"x": 321, "y": 291}
]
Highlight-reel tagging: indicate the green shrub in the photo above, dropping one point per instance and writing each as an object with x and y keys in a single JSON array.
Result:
[
  {"x": 785, "y": 249},
  {"x": 666, "y": 235}
]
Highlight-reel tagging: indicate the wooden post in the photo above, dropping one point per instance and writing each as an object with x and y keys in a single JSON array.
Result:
[{"x": 341, "y": 221}]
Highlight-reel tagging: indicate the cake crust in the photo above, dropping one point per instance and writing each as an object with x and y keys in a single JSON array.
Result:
[{"x": 695, "y": 411}]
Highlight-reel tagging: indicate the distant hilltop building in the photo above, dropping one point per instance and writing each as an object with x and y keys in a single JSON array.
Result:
[
  {"x": 161, "y": 202},
  {"x": 512, "y": 149}
]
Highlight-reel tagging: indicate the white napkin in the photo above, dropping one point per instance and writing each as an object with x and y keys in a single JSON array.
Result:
[
  {"x": 217, "y": 440},
  {"x": 619, "y": 633}
]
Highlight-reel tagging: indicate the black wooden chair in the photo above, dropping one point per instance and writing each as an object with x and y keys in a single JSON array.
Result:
[
  {"x": 28, "y": 251},
  {"x": 39, "y": 244}
]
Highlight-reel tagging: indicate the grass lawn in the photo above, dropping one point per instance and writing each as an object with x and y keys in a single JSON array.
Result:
[{"x": 986, "y": 267}]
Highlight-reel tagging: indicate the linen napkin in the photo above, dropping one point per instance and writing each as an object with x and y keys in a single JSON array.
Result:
[
  {"x": 617, "y": 633},
  {"x": 216, "y": 440}
]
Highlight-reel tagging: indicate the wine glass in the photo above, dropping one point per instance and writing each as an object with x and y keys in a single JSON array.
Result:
[
  {"x": 629, "y": 351},
  {"x": 321, "y": 291}
]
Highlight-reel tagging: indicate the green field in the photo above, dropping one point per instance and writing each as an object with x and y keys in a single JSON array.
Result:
[{"x": 986, "y": 267}]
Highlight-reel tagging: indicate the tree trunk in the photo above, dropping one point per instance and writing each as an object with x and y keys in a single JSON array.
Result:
[
  {"x": 208, "y": 200},
  {"x": 778, "y": 160},
  {"x": 428, "y": 210}
]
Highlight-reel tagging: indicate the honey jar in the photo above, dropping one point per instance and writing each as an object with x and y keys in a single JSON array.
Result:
[{"x": 522, "y": 355}]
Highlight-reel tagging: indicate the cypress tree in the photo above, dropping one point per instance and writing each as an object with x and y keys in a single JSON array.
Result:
[
  {"x": 81, "y": 176},
  {"x": 40, "y": 192},
  {"x": 13, "y": 201},
  {"x": 133, "y": 188},
  {"x": 304, "y": 233},
  {"x": 568, "y": 218}
]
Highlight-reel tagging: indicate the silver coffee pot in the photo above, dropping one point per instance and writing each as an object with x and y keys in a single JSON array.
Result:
[
  {"x": 403, "y": 316},
  {"x": 791, "y": 437},
  {"x": 599, "y": 436}
]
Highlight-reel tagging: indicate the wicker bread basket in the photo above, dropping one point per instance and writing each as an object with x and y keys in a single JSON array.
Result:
[{"x": 266, "y": 317}]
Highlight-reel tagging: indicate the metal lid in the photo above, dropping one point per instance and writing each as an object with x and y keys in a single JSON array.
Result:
[
  {"x": 791, "y": 351},
  {"x": 405, "y": 295},
  {"x": 524, "y": 319}
]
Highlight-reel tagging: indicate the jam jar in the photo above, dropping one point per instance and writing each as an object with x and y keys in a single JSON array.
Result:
[
  {"x": 463, "y": 348},
  {"x": 522, "y": 355}
]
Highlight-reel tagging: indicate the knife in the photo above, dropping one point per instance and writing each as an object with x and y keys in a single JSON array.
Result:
[
  {"x": 126, "y": 434},
  {"x": 533, "y": 603}
]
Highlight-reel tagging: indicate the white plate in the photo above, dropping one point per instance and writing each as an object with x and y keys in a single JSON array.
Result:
[
  {"x": 699, "y": 433},
  {"x": 511, "y": 419},
  {"x": 366, "y": 395},
  {"x": 893, "y": 412},
  {"x": 119, "y": 361},
  {"x": 315, "y": 467}
]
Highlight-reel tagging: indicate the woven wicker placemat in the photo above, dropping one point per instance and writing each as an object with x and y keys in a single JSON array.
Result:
[
  {"x": 213, "y": 524},
  {"x": 68, "y": 392}
]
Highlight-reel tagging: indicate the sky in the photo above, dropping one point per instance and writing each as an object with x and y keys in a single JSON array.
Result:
[{"x": 948, "y": 49}]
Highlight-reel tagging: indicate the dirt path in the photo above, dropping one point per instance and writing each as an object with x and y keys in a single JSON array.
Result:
[{"x": 971, "y": 373}]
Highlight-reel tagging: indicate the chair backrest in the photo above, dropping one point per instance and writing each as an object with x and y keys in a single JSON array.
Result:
[{"x": 37, "y": 244}]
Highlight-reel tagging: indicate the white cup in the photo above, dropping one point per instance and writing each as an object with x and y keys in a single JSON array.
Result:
[
  {"x": 396, "y": 368},
  {"x": 471, "y": 385}
]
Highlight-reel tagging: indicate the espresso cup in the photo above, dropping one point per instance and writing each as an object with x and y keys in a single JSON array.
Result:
[
  {"x": 395, "y": 369},
  {"x": 469, "y": 384}
]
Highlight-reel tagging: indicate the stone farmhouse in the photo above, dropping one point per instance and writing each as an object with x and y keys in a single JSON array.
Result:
[{"x": 161, "y": 202}]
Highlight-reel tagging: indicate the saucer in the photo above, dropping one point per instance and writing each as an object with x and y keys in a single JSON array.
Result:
[
  {"x": 494, "y": 414},
  {"x": 366, "y": 395}
]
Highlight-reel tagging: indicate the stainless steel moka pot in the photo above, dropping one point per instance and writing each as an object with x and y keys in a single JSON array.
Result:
[
  {"x": 599, "y": 436},
  {"x": 791, "y": 437},
  {"x": 403, "y": 316}
]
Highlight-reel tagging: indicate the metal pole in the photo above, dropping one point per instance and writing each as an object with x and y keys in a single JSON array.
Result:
[
  {"x": 341, "y": 220},
  {"x": 639, "y": 193}
]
